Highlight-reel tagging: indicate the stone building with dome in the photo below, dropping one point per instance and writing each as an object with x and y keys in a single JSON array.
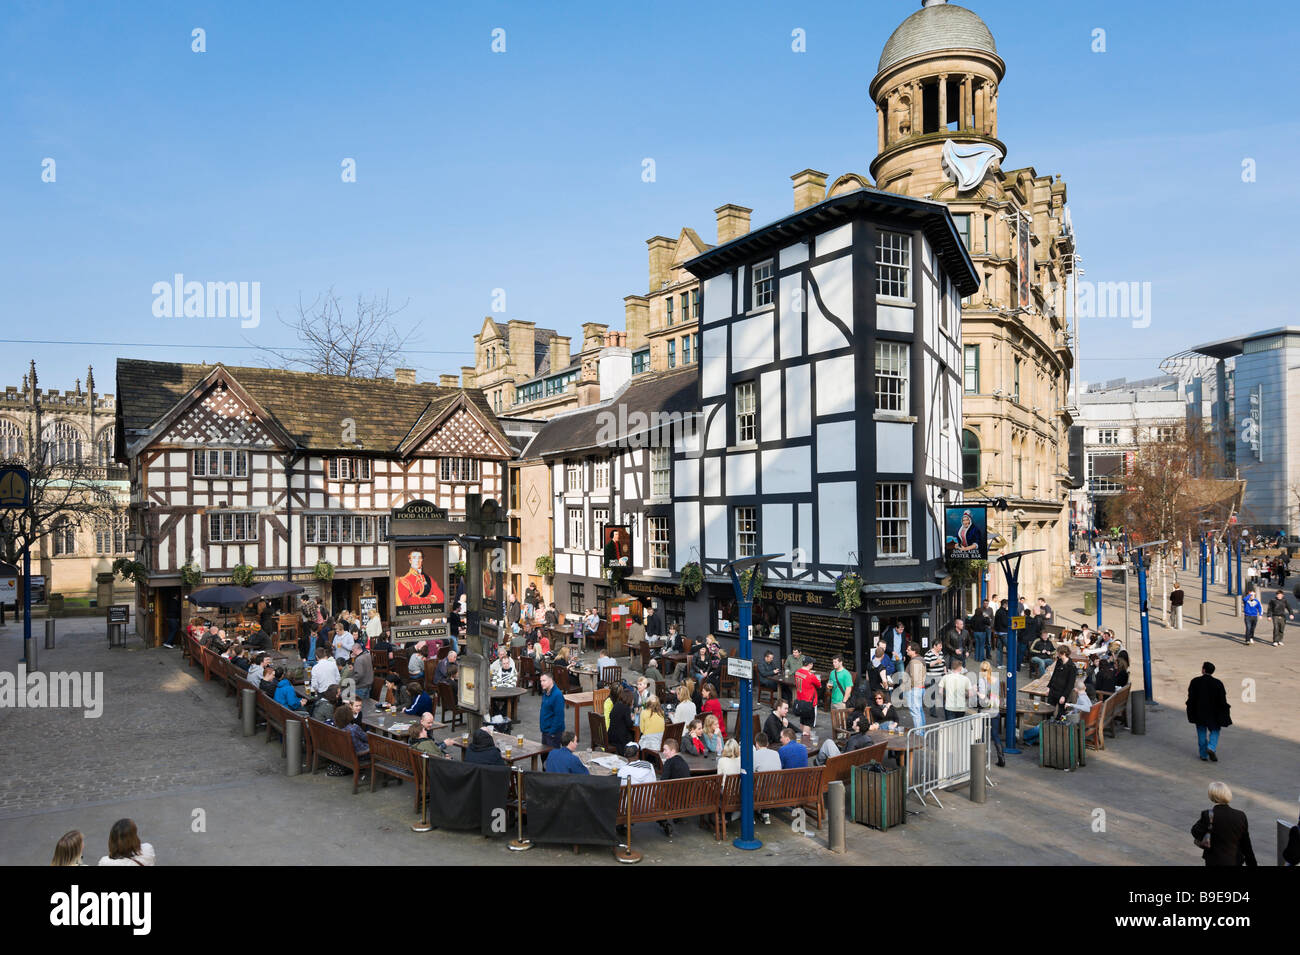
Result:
[{"x": 936, "y": 94}]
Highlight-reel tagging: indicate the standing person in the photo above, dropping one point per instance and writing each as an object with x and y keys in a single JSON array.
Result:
[
  {"x": 1251, "y": 610},
  {"x": 1223, "y": 832},
  {"x": 1176, "y": 605},
  {"x": 363, "y": 672},
  {"x": 988, "y": 694},
  {"x": 954, "y": 643},
  {"x": 841, "y": 681},
  {"x": 957, "y": 692},
  {"x": 1208, "y": 709},
  {"x": 980, "y": 626},
  {"x": 125, "y": 847},
  {"x": 807, "y": 688},
  {"x": 374, "y": 626},
  {"x": 69, "y": 849},
  {"x": 1279, "y": 612},
  {"x": 1062, "y": 680},
  {"x": 1001, "y": 620},
  {"x": 552, "y": 715},
  {"x": 915, "y": 695},
  {"x": 934, "y": 671}
]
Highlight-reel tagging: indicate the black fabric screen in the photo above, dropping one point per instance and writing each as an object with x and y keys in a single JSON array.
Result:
[
  {"x": 573, "y": 810},
  {"x": 467, "y": 796}
]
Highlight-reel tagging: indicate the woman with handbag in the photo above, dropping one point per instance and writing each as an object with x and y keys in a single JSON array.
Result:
[{"x": 1222, "y": 833}]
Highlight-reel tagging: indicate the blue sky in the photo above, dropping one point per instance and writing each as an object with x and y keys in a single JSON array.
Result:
[{"x": 522, "y": 170}]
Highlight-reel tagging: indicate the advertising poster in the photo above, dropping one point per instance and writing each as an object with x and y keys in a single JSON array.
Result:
[
  {"x": 966, "y": 533},
  {"x": 419, "y": 580}
]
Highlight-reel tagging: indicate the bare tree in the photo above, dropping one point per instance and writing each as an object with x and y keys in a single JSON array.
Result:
[
  {"x": 336, "y": 341},
  {"x": 63, "y": 489}
]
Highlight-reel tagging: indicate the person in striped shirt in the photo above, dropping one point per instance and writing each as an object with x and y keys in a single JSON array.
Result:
[{"x": 934, "y": 672}]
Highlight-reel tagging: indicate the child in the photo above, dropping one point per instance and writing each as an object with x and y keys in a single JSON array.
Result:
[{"x": 713, "y": 740}]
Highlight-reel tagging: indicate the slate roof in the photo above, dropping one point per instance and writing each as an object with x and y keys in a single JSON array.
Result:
[
  {"x": 309, "y": 407},
  {"x": 670, "y": 391}
]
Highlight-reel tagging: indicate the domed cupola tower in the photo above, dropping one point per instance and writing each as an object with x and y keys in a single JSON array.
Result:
[{"x": 937, "y": 82}]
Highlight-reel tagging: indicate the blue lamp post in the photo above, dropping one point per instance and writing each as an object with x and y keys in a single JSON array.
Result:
[
  {"x": 745, "y": 604},
  {"x": 1140, "y": 562},
  {"x": 1204, "y": 579},
  {"x": 1011, "y": 570},
  {"x": 1096, "y": 569}
]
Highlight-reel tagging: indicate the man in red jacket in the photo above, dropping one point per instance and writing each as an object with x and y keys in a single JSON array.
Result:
[{"x": 807, "y": 687}]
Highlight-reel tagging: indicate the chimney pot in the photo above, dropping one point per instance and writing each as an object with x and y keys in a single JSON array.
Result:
[
  {"x": 404, "y": 376},
  {"x": 809, "y": 188}
]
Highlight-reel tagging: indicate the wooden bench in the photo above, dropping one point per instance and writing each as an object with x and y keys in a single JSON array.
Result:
[
  {"x": 336, "y": 746},
  {"x": 838, "y": 768},
  {"x": 277, "y": 717},
  {"x": 666, "y": 800},
  {"x": 775, "y": 789},
  {"x": 1101, "y": 716},
  {"x": 391, "y": 757}
]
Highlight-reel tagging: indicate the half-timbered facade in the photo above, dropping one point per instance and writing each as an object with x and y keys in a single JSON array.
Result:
[
  {"x": 610, "y": 464},
  {"x": 291, "y": 474},
  {"x": 830, "y": 395}
]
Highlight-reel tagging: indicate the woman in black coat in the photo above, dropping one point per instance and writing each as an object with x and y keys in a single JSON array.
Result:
[
  {"x": 620, "y": 720},
  {"x": 1226, "y": 829}
]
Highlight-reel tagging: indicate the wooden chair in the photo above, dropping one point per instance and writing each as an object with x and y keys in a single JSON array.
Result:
[
  {"x": 674, "y": 731},
  {"x": 839, "y": 725},
  {"x": 390, "y": 758},
  {"x": 598, "y": 699},
  {"x": 563, "y": 679},
  {"x": 611, "y": 675},
  {"x": 661, "y": 690},
  {"x": 379, "y": 659},
  {"x": 687, "y": 643},
  {"x": 652, "y": 757},
  {"x": 599, "y": 733},
  {"x": 286, "y": 633},
  {"x": 451, "y": 713},
  {"x": 528, "y": 672},
  {"x": 644, "y": 647},
  {"x": 729, "y": 687},
  {"x": 766, "y": 694}
]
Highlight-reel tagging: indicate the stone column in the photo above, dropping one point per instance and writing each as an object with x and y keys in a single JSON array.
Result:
[
  {"x": 882, "y": 128},
  {"x": 968, "y": 101},
  {"x": 917, "y": 112},
  {"x": 979, "y": 106},
  {"x": 943, "y": 100}
]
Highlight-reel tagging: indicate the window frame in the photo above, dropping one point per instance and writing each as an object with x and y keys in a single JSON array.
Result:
[
  {"x": 746, "y": 416},
  {"x": 899, "y": 521},
  {"x": 894, "y": 265},
  {"x": 228, "y": 524},
  {"x": 577, "y": 534},
  {"x": 968, "y": 368},
  {"x": 659, "y": 461},
  {"x": 762, "y": 284},
  {"x": 898, "y": 379},
  {"x": 659, "y": 543},
  {"x": 460, "y": 470},
  {"x": 745, "y": 531}
]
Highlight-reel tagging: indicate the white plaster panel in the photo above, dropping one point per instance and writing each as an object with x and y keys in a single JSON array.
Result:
[
  {"x": 715, "y": 532},
  {"x": 838, "y": 527},
  {"x": 686, "y": 530},
  {"x": 686, "y": 478},
  {"x": 793, "y": 254},
  {"x": 841, "y": 237},
  {"x": 778, "y": 528},
  {"x": 787, "y": 470},
  {"x": 836, "y": 447},
  {"x": 835, "y": 385},
  {"x": 769, "y": 396},
  {"x": 713, "y": 364},
  {"x": 893, "y": 447},
  {"x": 798, "y": 402},
  {"x": 717, "y": 298},
  {"x": 894, "y": 318},
  {"x": 740, "y": 473},
  {"x": 712, "y": 477},
  {"x": 751, "y": 343}
]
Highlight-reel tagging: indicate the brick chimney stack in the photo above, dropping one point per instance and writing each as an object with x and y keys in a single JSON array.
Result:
[
  {"x": 733, "y": 222},
  {"x": 809, "y": 188}
]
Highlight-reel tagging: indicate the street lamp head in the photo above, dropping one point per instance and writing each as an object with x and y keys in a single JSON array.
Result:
[{"x": 745, "y": 563}]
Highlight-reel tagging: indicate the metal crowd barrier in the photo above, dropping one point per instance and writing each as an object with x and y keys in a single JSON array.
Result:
[{"x": 939, "y": 754}]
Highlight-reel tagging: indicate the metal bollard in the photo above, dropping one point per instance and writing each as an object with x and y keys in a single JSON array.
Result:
[
  {"x": 49, "y": 634},
  {"x": 29, "y": 652},
  {"x": 293, "y": 747},
  {"x": 978, "y": 758},
  {"x": 1202, "y": 620},
  {"x": 835, "y": 811},
  {"x": 1283, "y": 837},
  {"x": 115, "y": 638},
  {"x": 1137, "y": 713},
  {"x": 249, "y": 706}
]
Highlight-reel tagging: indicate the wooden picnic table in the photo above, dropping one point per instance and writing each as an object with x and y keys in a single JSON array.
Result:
[
  {"x": 511, "y": 695},
  {"x": 531, "y": 749},
  {"x": 578, "y": 701},
  {"x": 1031, "y": 710},
  {"x": 394, "y": 724}
]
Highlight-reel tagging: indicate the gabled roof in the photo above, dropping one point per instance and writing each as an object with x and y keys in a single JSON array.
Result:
[
  {"x": 932, "y": 218},
  {"x": 307, "y": 408},
  {"x": 581, "y": 430}
]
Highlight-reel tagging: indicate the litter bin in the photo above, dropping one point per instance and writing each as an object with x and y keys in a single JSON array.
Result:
[
  {"x": 1090, "y": 603},
  {"x": 877, "y": 795}
]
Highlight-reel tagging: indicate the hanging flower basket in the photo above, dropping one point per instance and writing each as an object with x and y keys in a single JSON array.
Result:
[
  {"x": 131, "y": 570},
  {"x": 848, "y": 592},
  {"x": 746, "y": 577},
  {"x": 324, "y": 570},
  {"x": 545, "y": 565},
  {"x": 692, "y": 577},
  {"x": 191, "y": 575},
  {"x": 458, "y": 569}
]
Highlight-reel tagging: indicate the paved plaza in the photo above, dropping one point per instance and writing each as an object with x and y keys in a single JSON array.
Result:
[{"x": 169, "y": 752}]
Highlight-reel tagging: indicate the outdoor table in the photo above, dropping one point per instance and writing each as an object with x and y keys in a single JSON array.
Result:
[
  {"x": 578, "y": 701},
  {"x": 511, "y": 695},
  {"x": 531, "y": 750},
  {"x": 706, "y": 765},
  {"x": 587, "y": 756},
  {"x": 901, "y": 747},
  {"x": 588, "y": 677},
  {"x": 394, "y": 724}
]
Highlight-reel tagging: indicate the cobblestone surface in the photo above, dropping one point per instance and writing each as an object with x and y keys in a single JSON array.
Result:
[{"x": 168, "y": 752}]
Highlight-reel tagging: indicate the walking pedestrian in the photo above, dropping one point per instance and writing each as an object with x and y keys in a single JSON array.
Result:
[
  {"x": 1208, "y": 710},
  {"x": 1279, "y": 611},
  {"x": 1176, "y": 605},
  {"x": 1251, "y": 609},
  {"x": 1222, "y": 832}
]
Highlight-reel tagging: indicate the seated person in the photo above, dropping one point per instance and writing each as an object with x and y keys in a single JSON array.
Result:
[
  {"x": 242, "y": 661},
  {"x": 415, "y": 662},
  {"x": 793, "y": 754},
  {"x": 269, "y": 681},
  {"x": 419, "y": 740},
  {"x": 605, "y": 660},
  {"x": 653, "y": 722},
  {"x": 674, "y": 766},
  {"x": 860, "y": 738},
  {"x": 693, "y": 739},
  {"x": 766, "y": 759},
  {"x": 391, "y": 691},
  {"x": 564, "y": 758},
  {"x": 421, "y": 702},
  {"x": 483, "y": 750},
  {"x": 767, "y": 671},
  {"x": 345, "y": 719},
  {"x": 777, "y": 720},
  {"x": 653, "y": 675},
  {"x": 258, "y": 639},
  {"x": 325, "y": 673},
  {"x": 636, "y": 769},
  {"x": 620, "y": 729},
  {"x": 884, "y": 715},
  {"x": 685, "y": 709},
  {"x": 713, "y": 738},
  {"x": 712, "y": 706},
  {"x": 1041, "y": 653},
  {"x": 445, "y": 671},
  {"x": 284, "y": 693}
]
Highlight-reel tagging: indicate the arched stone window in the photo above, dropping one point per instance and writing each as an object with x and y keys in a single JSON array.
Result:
[
  {"x": 11, "y": 440},
  {"x": 62, "y": 443},
  {"x": 63, "y": 538}
]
